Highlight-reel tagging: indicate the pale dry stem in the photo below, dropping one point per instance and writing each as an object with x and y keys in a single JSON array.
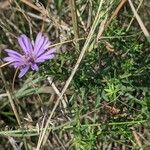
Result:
[{"x": 85, "y": 47}]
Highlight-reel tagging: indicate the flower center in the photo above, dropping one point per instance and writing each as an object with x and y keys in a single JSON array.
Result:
[{"x": 29, "y": 59}]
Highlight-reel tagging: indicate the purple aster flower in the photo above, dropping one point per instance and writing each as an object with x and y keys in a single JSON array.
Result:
[{"x": 31, "y": 55}]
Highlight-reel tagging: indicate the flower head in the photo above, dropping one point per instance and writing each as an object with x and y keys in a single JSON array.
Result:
[{"x": 31, "y": 55}]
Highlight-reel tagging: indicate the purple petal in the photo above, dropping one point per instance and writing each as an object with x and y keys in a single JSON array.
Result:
[
  {"x": 50, "y": 51},
  {"x": 38, "y": 42},
  {"x": 12, "y": 52},
  {"x": 44, "y": 57},
  {"x": 13, "y": 56},
  {"x": 34, "y": 67},
  {"x": 43, "y": 47},
  {"x": 41, "y": 44},
  {"x": 11, "y": 59},
  {"x": 48, "y": 55},
  {"x": 23, "y": 71},
  {"x": 16, "y": 64},
  {"x": 25, "y": 44}
]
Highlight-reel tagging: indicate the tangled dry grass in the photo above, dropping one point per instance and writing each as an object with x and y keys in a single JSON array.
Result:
[{"x": 95, "y": 93}]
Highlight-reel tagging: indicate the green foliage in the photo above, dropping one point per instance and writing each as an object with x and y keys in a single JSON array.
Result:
[{"x": 107, "y": 76}]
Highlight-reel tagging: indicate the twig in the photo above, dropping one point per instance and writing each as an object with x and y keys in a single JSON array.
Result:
[{"x": 122, "y": 2}]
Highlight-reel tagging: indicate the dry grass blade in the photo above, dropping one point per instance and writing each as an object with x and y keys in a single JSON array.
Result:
[
  {"x": 75, "y": 22},
  {"x": 139, "y": 20},
  {"x": 3, "y": 95},
  {"x": 134, "y": 16},
  {"x": 3, "y": 65},
  {"x": 10, "y": 99},
  {"x": 137, "y": 139},
  {"x": 31, "y": 5},
  {"x": 14, "y": 144},
  {"x": 14, "y": 107},
  {"x": 63, "y": 102},
  {"x": 56, "y": 91},
  {"x": 5, "y": 4}
]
